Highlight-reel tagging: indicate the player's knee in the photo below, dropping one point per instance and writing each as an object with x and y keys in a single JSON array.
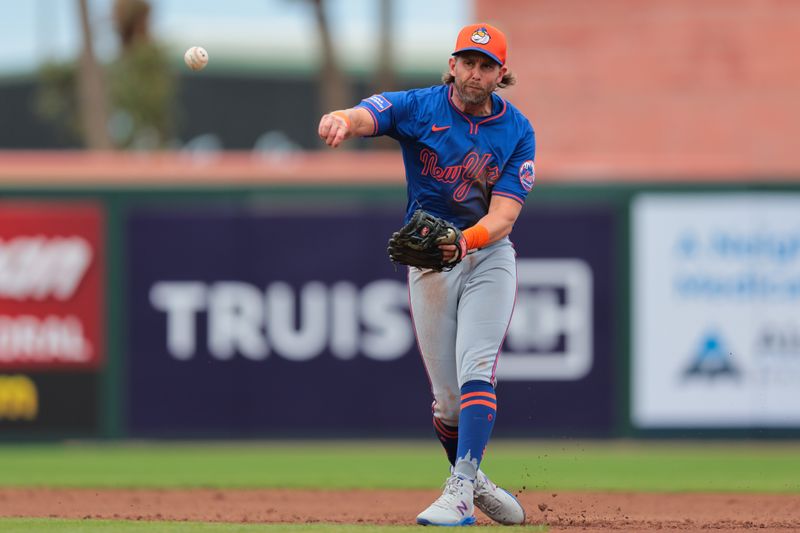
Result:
[{"x": 447, "y": 410}]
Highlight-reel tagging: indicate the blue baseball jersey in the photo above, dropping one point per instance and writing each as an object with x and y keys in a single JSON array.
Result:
[{"x": 455, "y": 162}]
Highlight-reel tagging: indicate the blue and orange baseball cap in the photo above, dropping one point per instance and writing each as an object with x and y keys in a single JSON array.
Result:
[{"x": 483, "y": 38}]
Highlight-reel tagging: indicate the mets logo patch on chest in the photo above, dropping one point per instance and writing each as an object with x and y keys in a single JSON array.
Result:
[
  {"x": 527, "y": 174},
  {"x": 379, "y": 102}
]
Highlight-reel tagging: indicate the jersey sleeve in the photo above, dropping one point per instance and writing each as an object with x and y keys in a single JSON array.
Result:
[
  {"x": 392, "y": 113},
  {"x": 519, "y": 173}
]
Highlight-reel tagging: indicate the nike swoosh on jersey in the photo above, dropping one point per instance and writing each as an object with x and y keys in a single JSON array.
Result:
[{"x": 439, "y": 128}]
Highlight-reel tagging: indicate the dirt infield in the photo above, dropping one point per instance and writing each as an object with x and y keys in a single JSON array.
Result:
[{"x": 562, "y": 511}]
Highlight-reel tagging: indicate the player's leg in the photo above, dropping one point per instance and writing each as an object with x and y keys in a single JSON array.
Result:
[
  {"x": 485, "y": 310},
  {"x": 434, "y": 306},
  {"x": 448, "y": 436}
]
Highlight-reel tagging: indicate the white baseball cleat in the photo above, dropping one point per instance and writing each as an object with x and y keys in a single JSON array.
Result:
[
  {"x": 496, "y": 503},
  {"x": 453, "y": 508}
]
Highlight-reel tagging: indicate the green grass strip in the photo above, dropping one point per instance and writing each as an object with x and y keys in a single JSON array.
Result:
[
  {"x": 532, "y": 465},
  {"x": 37, "y": 525}
]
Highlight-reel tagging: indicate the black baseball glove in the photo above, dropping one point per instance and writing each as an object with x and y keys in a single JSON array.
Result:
[{"x": 417, "y": 243}]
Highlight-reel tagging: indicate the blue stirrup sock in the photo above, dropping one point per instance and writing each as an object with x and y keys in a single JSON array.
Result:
[{"x": 475, "y": 423}]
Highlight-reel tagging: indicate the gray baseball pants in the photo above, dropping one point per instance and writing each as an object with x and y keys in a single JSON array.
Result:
[{"x": 460, "y": 319}]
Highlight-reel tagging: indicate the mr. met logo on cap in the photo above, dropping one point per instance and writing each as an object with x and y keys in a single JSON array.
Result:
[{"x": 481, "y": 36}]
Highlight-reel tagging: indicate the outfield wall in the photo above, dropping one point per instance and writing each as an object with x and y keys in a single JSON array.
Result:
[{"x": 251, "y": 307}]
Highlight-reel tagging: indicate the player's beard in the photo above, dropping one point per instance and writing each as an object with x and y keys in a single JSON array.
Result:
[{"x": 471, "y": 94}]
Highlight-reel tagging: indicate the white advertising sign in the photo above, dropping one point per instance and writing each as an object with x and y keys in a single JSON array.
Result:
[{"x": 715, "y": 310}]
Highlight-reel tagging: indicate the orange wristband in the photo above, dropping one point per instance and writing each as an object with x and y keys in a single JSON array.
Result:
[
  {"x": 342, "y": 115},
  {"x": 477, "y": 236}
]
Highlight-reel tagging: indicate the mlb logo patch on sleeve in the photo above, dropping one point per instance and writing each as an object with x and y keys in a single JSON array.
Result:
[{"x": 379, "y": 102}]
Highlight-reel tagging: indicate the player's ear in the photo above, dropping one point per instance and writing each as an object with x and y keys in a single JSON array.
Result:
[
  {"x": 452, "y": 63},
  {"x": 503, "y": 71}
]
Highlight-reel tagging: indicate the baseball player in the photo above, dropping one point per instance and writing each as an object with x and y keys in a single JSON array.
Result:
[{"x": 468, "y": 158}]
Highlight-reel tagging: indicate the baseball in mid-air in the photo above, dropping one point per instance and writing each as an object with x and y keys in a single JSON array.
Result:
[{"x": 196, "y": 58}]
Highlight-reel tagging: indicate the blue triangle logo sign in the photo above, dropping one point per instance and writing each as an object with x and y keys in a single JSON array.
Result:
[{"x": 712, "y": 359}]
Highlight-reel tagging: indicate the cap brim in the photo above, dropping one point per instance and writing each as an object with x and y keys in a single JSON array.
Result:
[{"x": 482, "y": 51}]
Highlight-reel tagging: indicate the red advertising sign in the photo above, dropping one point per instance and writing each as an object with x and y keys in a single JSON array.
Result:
[{"x": 51, "y": 285}]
